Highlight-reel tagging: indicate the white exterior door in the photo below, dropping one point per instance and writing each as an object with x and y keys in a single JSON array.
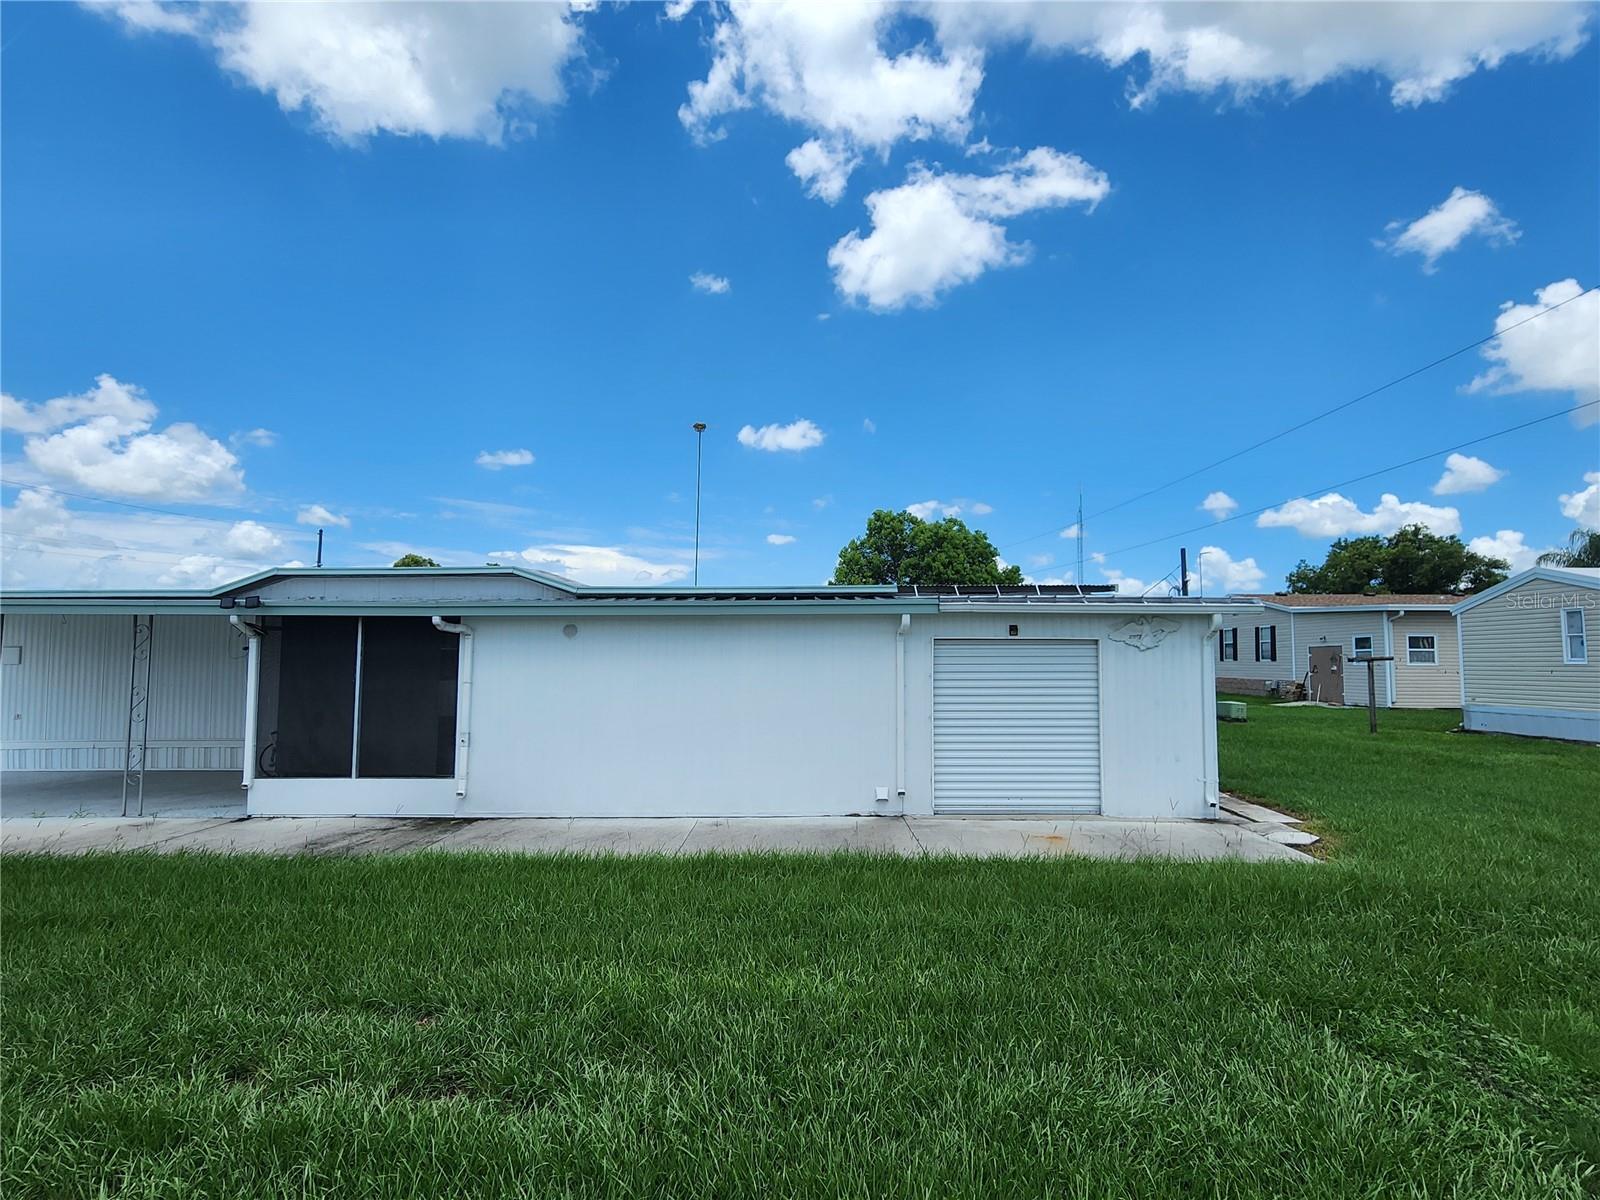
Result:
[{"x": 1016, "y": 726}]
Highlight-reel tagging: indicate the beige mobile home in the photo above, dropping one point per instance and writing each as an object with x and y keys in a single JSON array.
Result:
[
  {"x": 1526, "y": 665},
  {"x": 1275, "y": 645}
]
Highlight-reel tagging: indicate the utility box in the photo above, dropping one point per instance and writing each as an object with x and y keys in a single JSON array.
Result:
[{"x": 1232, "y": 710}]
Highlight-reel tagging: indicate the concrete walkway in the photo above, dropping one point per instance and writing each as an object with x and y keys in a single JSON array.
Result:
[{"x": 1090, "y": 837}]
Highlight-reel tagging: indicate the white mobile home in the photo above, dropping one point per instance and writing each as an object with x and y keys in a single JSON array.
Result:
[
  {"x": 1292, "y": 634},
  {"x": 1526, "y": 662},
  {"x": 506, "y": 692}
]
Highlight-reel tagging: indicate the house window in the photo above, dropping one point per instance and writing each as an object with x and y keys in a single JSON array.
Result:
[
  {"x": 1228, "y": 645},
  {"x": 1574, "y": 642},
  {"x": 1266, "y": 643},
  {"x": 1361, "y": 646},
  {"x": 1422, "y": 650}
]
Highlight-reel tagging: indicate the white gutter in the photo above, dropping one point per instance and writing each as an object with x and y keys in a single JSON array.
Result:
[
  {"x": 463, "y": 699},
  {"x": 252, "y": 688},
  {"x": 900, "y": 707}
]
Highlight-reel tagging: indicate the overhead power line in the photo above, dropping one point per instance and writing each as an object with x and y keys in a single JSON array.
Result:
[
  {"x": 1311, "y": 420},
  {"x": 1410, "y": 462}
]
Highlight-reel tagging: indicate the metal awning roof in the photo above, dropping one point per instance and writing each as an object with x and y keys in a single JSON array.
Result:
[{"x": 575, "y": 598}]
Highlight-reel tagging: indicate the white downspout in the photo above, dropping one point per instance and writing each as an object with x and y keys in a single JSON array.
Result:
[
  {"x": 252, "y": 689},
  {"x": 463, "y": 700},
  {"x": 900, "y": 708},
  {"x": 1388, "y": 638},
  {"x": 1210, "y": 772}
]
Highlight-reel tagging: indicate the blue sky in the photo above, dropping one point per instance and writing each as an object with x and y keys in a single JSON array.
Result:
[{"x": 269, "y": 268}]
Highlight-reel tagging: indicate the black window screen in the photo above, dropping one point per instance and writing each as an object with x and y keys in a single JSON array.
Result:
[
  {"x": 316, "y": 697},
  {"x": 408, "y": 699}
]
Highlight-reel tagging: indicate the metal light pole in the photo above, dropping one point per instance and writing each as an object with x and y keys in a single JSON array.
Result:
[{"x": 699, "y": 445}]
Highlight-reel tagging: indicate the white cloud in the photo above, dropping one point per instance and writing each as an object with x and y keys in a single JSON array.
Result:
[
  {"x": 821, "y": 502},
  {"x": 1072, "y": 531},
  {"x": 1559, "y": 352},
  {"x": 868, "y": 425},
  {"x": 1041, "y": 560},
  {"x": 495, "y": 460},
  {"x": 715, "y": 285},
  {"x": 1240, "y": 50},
  {"x": 1096, "y": 557},
  {"x": 50, "y": 545},
  {"x": 1127, "y": 585},
  {"x": 600, "y": 564},
  {"x": 1220, "y": 573},
  {"x": 1219, "y": 504},
  {"x": 798, "y": 435},
  {"x": 824, "y": 67},
  {"x": 1584, "y": 507},
  {"x": 1508, "y": 544},
  {"x": 316, "y": 514},
  {"x": 823, "y": 170},
  {"x": 677, "y": 10},
  {"x": 1440, "y": 230},
  {"x": 980, "y": 509},
  {"x": 101, "y": 440},
  {"x": 925, "y": 510},
  {"x": 936, "y": 231},
  {"x": 264, "y": 438},
  {"x": 474, "y": 71},
  {"x": 779, "y": 539},
  {"x": 251, "y": 539},
  {"x": 1464, "y": 473},
  {"x": 1333, "y": 515},
  {"x": 122, "y": 407}
]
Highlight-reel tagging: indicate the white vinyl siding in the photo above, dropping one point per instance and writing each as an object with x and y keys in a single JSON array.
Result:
[
  {"x": 1235, "y": 654},
  {"x": 65, "y": 701},
  {"x": 1427, "y": 670},
  {"x": 1514, "y": 649},
  {"x": 1016, "y": 726},
  {"x": 1575, "y": 638},
  {"x": 1340, "y": 628}
]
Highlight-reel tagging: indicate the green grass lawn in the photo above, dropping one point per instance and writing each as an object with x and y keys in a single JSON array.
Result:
[{"x": 1418, "y": 1016}]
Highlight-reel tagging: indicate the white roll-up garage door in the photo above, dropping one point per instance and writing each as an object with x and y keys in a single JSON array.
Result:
[{"x": 1016, "y": 726}]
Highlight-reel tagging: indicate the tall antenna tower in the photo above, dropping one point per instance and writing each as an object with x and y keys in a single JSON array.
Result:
[{"x": 1079, "y": 576}]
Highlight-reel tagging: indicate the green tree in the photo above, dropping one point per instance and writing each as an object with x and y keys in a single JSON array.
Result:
[
  {"x": 414, "y": 560},
  {"x": 1353, "y": 565},
  {"x": 1582, "y": 550},
  {"x": 902, "y": 549},
  {"x": 1411, "y": 560}
]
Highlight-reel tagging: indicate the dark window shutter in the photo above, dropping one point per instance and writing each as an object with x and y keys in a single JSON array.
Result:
[
  {"x": 1222, "y": 645},
  {"x": 1273, "y": 634},
  {"x": 1258, "y": 643}
]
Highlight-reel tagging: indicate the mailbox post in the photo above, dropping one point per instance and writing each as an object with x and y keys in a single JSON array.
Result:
[{"x": 1372, "y": 686}]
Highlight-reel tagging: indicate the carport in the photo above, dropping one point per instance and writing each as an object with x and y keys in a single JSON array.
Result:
[{"x": 99, "y": 794}]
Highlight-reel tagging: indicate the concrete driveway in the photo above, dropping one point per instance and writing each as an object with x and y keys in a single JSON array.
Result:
[{"x": 1090, "y": 837}]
